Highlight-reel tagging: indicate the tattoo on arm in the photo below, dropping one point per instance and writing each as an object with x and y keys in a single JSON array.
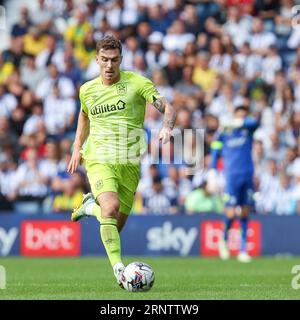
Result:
[
  {"x": 163, "y": 106},
  {"x": 160, "y": 105},
  {"x": 170, "y": 119}
]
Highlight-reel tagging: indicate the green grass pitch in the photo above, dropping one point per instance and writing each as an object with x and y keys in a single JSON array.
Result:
[{"x": 176, "y": 278}]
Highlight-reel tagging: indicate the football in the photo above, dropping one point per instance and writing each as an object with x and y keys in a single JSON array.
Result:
[{"x": 138, "y": 277}]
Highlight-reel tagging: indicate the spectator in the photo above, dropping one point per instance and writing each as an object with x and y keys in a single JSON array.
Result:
[
  {"x": 76, "y": 32},
  {"x": 20, "y": 28},
  {"x": 259, "y": 157},
  {"x": 35, "y": 122},
  {"x": 222, "y": 105},
  {"x": 6, "y": 69},
  {"x": 139, "y": 65},
  {"x": 15, "y": 52},
  {"x": 8, "y": 102},
  {"x": 143, "y": 33},
  {"x": 268, "y": 186},
  {"x": 283, "y": 21},
  {"x": 69, "y": 199},
  {"x": 234, "y": 27},
  {"x": 86, "y": 52},
  {"x": 271, "y": 64},
  {"x": 34, "y": 41},
  {"x": 65, "y": 85},
  {"x": 50, "y": 163},
  {"x": 203, "y": 74},
  {"x": 250, "y": 63},
  {"x": 72, "y": 72},
  {"x": 120, "y": 14},
  {"x": 201, "y": 200},
  {"x": 157, "y": 20},
  {"x": 173, "y": 68},
  {"x": 285, "y": 203},
  {"x": 162, "y": 85},
  {"x": 177, "y": 184},
  {"x": 42, "y": 17},
  {"x": 186, "y": 86},
  {"x": 261, "y": 40},
  {"x": 30, "y": 74},
  {"x": 130, "y": 50},
  {"x": 56, "y": 104},
  {"x": 220, "y": 61},
  {"x": 52, "y": 54},
  {"x": 156, "y": 57},
  {"x": 275, "y": 151},
  {"x": 177, "y": 38},
  {"x": 7, "y": 136},
  {"x": 157, "y": 201},
  {"x": 31, "y": 184},
  {"x": 7, "y": 182},
  {"x": 191, "y": 20}
]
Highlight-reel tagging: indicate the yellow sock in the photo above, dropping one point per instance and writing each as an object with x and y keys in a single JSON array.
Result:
[
  {"x": 109, "y": 234},
  {"x": 111, "y": 240}
]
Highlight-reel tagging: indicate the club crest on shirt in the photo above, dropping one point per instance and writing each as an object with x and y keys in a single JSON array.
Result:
[
  {"x": 121, "y": 88},
  {"x": 99, "y": 184}
]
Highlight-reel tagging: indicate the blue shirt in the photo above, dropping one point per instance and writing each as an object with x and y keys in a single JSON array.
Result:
[{"x": 235, "y": 147}]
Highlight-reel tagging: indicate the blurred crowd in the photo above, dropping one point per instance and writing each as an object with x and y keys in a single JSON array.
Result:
[{"x": 205, "y": 57}]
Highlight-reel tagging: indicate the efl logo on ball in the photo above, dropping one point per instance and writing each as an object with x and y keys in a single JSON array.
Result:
[{"x": 50, "y": 238}]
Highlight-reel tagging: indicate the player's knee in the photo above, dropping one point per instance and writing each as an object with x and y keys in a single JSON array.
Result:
[
  {"x": 110, "y": 210},
  {"x": 245, "y": 212},
  {"x": 230, "y": 212}
]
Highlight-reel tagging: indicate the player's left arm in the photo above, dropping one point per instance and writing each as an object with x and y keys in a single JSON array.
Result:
[
  {"x": 251, "y": 123},
  {"x": 163, "y": 106},
  {"x": 247, "y": 123},
  {"x": 150, "y": 93}
]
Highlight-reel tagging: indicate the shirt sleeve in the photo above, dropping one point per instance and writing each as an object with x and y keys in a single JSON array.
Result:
[
  {"x": 148, "y": 90},
  {"x": 83, "y": 106},
  {"x": 251, "y": 124},
  {"x": 216, "y": 150}
]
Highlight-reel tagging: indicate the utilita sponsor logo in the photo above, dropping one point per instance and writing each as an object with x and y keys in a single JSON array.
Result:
[
  {"x": 166, "y": 238},
  {"x": 103, "y": 108},
  {"x": 212, "y": 231},
  {"x": 50, "y": 238}
]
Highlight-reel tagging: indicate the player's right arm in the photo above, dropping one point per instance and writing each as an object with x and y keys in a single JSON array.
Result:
[
  {"x": 82, "y": 132},
  {"x": 215, "y": 152}
]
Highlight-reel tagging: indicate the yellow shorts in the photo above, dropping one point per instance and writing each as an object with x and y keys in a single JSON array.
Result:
[{"x": 120, "y": 178}]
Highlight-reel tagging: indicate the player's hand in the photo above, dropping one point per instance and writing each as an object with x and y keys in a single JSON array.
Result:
[
  {"x": 229, "y": 124},
  {"x": 75, "y": 161},
  {"x": 225, "y": 124},
  {"x": 165, "y": 135}
]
